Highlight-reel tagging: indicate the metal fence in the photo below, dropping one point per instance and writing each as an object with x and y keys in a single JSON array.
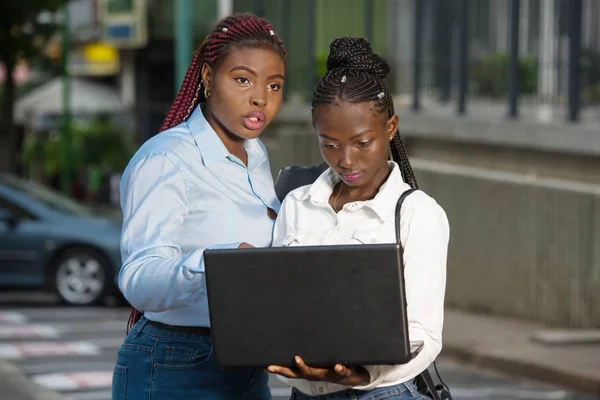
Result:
[{"x": 496, "y": 57}]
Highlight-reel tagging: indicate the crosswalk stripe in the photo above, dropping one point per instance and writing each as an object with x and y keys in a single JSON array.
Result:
[
  {"x": 12, "y": 317},
  {"x": 68, "y": 381},
  {"x": 13, "y": 351},
  {"x": 28, "y": 331}
]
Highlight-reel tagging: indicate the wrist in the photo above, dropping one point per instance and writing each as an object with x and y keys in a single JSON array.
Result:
[{"x": 365, "y": 377}]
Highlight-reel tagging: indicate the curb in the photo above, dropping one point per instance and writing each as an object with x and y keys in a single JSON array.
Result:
[
  {"x": 545, "y": 373},
  {"x": 14, "y": 385}
]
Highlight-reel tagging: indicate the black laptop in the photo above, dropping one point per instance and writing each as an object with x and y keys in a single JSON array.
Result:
[{"x": 328, "y": 304}]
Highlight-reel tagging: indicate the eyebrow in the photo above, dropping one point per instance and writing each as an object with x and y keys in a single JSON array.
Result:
[
  {"x": 353, "y": 137},
  {"x": 251, "y": 71}
]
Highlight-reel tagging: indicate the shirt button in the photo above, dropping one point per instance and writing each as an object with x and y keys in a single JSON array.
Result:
[
  {"x": 373, "y": 241},
  {"x": 320, "y": 389}
]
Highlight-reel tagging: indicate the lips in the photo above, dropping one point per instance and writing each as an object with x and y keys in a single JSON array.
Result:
[
  {"x": 254, "y": 120},
  {"x": 351, "y": 176}
]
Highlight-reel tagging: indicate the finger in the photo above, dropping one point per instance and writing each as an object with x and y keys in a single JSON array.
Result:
[
  {"x": 283, "y": 371},
  {"x": 342, "y": 370},
  {"x": 309, "y": 371}
]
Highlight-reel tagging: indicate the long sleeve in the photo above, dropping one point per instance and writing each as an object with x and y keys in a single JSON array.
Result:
[
  {"x": 156, "y": 274},
  {"x": 425, "y": 253}
]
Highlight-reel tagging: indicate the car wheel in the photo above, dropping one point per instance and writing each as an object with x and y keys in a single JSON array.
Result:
[{"x": 81, "y": 277}]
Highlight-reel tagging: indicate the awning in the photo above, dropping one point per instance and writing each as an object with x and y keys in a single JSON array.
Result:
[{"x": 87, "y": 98}]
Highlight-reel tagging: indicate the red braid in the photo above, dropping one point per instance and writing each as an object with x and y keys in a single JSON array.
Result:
[{"x": 241, "y": 30}]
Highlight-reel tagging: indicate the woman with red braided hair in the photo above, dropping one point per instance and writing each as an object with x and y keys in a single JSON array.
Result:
[{"x": 203, "y": 182}]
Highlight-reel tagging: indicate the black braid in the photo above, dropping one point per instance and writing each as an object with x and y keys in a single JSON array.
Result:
[{"x": 364, "y": 72}]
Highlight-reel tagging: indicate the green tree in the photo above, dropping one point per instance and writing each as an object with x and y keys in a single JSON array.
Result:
[{"x": 22, "y": 34}]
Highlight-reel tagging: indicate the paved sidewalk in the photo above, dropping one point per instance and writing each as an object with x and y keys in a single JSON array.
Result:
[
  {"x": 506, "y": 345},
  {"x": 15, "y": 386}
]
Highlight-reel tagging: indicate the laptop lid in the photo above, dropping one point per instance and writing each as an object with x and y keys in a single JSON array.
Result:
[{"x": 328, "y": 304}]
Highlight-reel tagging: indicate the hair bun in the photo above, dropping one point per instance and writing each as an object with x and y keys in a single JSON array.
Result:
[{"x": 356, "y": 53}]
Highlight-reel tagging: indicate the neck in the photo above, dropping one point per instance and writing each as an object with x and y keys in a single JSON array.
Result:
[
  {"x": 233, "y": 143},
  {"x": 370, "y": 190}
]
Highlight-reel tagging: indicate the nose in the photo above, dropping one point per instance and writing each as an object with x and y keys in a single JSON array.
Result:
[
  {"x": 346, "y": 158},
  {"x": 259, "y": 98}
]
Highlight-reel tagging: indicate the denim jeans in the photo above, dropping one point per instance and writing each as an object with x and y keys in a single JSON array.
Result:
[
  {"x": 156, "y": 363},
  {"x": 403, "y": 391}
]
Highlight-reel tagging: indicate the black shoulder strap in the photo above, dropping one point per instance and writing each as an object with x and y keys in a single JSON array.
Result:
[
  {"x": 431, "y": 390},
  {"x": 397, "y": 214}
]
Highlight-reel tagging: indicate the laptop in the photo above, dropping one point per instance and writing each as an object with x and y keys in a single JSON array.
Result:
[{"x": 328, "y": 304}]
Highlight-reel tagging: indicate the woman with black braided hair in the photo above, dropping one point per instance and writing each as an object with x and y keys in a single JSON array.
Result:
[{"x": 353, "y": 202}]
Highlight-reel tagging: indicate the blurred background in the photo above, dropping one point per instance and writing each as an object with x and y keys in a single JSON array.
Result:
[{"x": 499, "y": 105}]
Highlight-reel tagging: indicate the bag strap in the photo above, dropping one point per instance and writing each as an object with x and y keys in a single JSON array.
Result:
[
  {"x": 397, "y": 214},
  {"x": 425, "y": 375}
]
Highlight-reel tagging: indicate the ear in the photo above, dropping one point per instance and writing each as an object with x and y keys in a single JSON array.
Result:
[
  {"x": 206, "y": 75},
  {"x": 392, "y": 126}
]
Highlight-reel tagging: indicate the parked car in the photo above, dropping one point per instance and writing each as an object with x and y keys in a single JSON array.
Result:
[{"x": 48, "y": 241}]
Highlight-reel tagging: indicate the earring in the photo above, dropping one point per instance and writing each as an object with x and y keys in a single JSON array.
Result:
[{"x": 206, "y": 92}]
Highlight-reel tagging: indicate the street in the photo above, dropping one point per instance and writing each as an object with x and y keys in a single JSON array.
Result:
[{"x": 72, "y": 350}]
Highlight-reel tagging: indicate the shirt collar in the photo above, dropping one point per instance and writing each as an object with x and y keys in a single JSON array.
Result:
[
  {"x": 211, "y": 146},
  {"x": 384, "y": 202}
]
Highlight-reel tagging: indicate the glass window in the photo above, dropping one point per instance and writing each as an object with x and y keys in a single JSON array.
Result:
[
  {"x": 120, "y": 6},
  {"x": 48, "y": 197}
]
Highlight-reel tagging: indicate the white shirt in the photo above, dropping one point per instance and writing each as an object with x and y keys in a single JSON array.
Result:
[{"x": 306, "y": 219}]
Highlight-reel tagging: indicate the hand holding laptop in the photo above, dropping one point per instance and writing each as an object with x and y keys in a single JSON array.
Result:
[{"x": 340, "y": 374}]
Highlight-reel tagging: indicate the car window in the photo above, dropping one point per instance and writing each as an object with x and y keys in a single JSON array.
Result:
[
  {"x": 41, "y": 194},
  {"x": 14, "y": 209}
]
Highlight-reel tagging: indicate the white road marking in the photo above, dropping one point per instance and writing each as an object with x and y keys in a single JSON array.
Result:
[
  {"x": 15, "y": 351},
  {"x": 28, "y": 331},
  {"x": 12, "y": 317},
  {"x": 75, "y": 380}
]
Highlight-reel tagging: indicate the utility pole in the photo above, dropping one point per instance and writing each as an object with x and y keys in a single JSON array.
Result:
[
  {"x": 184, "y": 35},
  {"x": 224, "y": 8},
  {"x": 66, "y": 140}
]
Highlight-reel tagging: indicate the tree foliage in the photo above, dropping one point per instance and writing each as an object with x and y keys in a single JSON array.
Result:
[{"x": 22, "y": 35}]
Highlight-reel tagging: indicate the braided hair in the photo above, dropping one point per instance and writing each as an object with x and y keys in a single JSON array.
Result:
[
  {"x": 240, "y": 31},
  {"x": 364, "y": 72},
  {"x": 235, "y": 31}
]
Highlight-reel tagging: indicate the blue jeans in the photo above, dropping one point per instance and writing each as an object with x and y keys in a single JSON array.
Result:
[
  {"x": 403, "y": 391},
  {"x": 156, "y": 363}
]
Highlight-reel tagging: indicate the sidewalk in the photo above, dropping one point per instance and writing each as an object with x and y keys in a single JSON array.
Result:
[
  {"x": 489, "y": 342},
  {"x": 15, "y": 386},
  {"x": 506, "y": 345}
]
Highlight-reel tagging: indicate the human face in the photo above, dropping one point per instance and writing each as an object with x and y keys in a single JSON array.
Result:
[
  {"x": 355, "y": 142},
  {"x": 245, "y": 92}
]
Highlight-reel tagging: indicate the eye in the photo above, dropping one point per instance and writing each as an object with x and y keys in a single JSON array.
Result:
[
  {"x": 330, "y": 146},
  {"x": 275, "y": 87},
  {"x": 243, "y": 80},
  {"x": 364, "y": 143}
]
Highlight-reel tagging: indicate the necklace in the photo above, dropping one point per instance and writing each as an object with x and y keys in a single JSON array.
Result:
[{"x": 336, "y": 197}]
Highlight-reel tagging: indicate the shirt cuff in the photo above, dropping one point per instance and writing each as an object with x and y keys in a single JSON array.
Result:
[{"x": 194, "y": 262}]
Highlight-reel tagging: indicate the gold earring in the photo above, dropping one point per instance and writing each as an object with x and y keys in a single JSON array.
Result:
[{"x": 206, "y": 92}]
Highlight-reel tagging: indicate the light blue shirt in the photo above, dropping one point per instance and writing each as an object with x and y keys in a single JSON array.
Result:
[{"x": 182, "y": 193}]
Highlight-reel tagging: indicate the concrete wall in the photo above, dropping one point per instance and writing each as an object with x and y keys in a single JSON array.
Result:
[{"x": 525, "y": 220}]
